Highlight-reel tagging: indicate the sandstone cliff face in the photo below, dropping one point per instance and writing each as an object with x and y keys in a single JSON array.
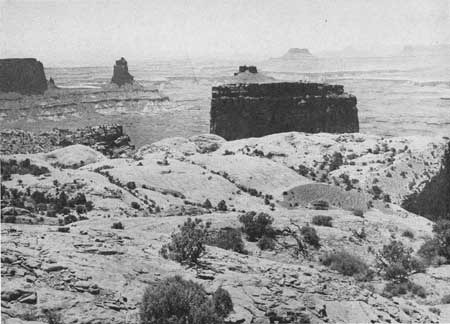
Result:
[
  {"x": 254, "y": 110},
  {"x": 121, "y": 75},
  {"x": 25, "y": 76}
]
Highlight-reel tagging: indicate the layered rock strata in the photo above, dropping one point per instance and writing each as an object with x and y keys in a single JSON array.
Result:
[
  {"x": 254, "y": 110},
  {"x": 25, "y": 76}
]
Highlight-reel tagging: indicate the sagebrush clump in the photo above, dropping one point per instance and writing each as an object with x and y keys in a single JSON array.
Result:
[
  {"x": 189, "y": 243},
  {"x": 321, "y": 220},
  {"x": 178, "y": 301},
  {"x": 347, "y": 264},
  {"x": 227, "y": 238},
  {"x": 256, "y": 225}
]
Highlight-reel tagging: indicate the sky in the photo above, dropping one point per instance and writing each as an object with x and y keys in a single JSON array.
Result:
[{"x": 97, "y": 31}]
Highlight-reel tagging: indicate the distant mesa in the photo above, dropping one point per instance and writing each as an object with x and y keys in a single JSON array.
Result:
[
  {"x": 250, "y": 74},
  {"x": 435, "y": 50},
  {"x": 245, "y": 68},
  {"x": 255, "y": 110},
  {"x": 297, "y": 53},
  {"x": 22, "y": 75},
  {"x": 121, "y": 76}
]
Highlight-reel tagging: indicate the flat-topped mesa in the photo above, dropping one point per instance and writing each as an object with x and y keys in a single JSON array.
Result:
[
  {"x": 22, "y": 75},
  {"x": 121, "y": 75},
  {"x": 245, "y": 68},
  {"x": 255, "y": 110}
]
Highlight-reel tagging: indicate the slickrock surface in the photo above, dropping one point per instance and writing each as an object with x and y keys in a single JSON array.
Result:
[
  {"x": 91, "y": 273},
  {"x": 25, "y": 76},
  {"x": 254, "y": 110}
]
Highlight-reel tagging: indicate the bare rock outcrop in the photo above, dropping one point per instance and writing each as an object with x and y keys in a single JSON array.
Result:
[
  {"x": 121, "y": 75},
  {"x": 25, "y": 76},
  {"x": 254, "y": 110}
]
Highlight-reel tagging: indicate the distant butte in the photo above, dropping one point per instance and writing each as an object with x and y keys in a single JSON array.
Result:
[{"x": 294, "y": 53}]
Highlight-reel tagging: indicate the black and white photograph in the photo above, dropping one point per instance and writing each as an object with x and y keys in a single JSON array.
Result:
[{"x": 225, "y": 161}]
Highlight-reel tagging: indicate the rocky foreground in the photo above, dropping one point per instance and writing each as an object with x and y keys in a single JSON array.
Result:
[{"x": 63, "y": 254}]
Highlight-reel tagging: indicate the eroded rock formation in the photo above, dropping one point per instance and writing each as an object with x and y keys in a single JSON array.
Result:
[
  {"x": 25, "y": 76},
  {"x": 121, "y": 75},
  {"x": 254, "y": 110}
]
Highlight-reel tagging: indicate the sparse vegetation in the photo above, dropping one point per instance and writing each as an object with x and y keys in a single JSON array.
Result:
[
  {"x": 408, "y": 234},
  {"x": 358, "y": 212},
  {"x": 256, "y": 225},
  {"x": 310, "y": 236},
  {"x": 397, "y": 262},
  {"x": 175, "y": 300},
  {"x": 321, "y": 220},
  {"x": 394, "y": 289},
  {"x": 347, "y": 264},
  {"x": 117, "y": 225},
  {"x": 9, "y": 167},
  {"x": 188, "y": 244},
  {"x": 445, "y": 299},
  {"x": 437, "y": 249},
  {"x": 227, "y": 238},
  {"x": 266, "y": 243},
  {"x": 222, "y": 206}
]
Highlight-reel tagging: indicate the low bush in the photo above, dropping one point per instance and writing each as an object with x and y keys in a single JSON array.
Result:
[
  {"x": 358, "y": 212},
  {"x": 321, "y": 220},
  {"x": 256, "y": 225},
  {"x": 70, "y": 219},
  {"x": 207, "y": 204},
  {"x": 408, "y": 234},
  {"x": 397, "y": 262},
  {"x": 131, "y": 185},
  {"x": 178, "y": 301},
  {"x": 445, "y": 299},
  {"x": 437, "y": 249},
  {"x": 189, "y": 243},
  {"x": 135, "y": 205},
  {"x": 347, "y": 264},
  {"x": 393, "y": 289},
  {"x": 222, "y": 302},
  {"x": 266, "y": 243},
  {"x": 222, "y": 206},
  {"x": 117, "y": 225},
  {"x": 310, "y": 236},
  {"x": 228, "y": 239}
]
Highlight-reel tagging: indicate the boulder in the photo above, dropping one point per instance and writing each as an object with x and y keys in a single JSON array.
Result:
[
  {"x": 25, "y": 76},
  {"x": 121, "y": 75}
]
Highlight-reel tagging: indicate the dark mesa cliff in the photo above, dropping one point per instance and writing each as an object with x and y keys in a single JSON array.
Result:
[{"x": 254, "y": 110}]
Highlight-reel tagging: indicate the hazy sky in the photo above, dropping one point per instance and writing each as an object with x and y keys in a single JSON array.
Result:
[{"x": 94, "y": 32}]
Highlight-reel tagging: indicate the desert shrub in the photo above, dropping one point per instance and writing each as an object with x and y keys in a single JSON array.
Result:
[
  {"x": 445, "y": 299},
  {"x": 222, "y": 206},
  {"x": 189, "y": 243},
  {"x": 135, "y": 205},
  {"x": 320, "y": 205},
  {"x": 266, "y": 243},
  {"x": 336, "y": 161},
  {"x": 207, "y": 204},
  {"x": 376, "y": 191},
  {"x": 117, "y": 225},
  {"x": 429, "y": 250},
  {"x": 321, "y": 220},
  {"x": 9, "y": 167},
  {"x": 223, "y": 304},
  {"x": 66, "y": 210},
  {"x": 437, "y": 249},
  {"x": 256, "y": 225},
  {"x": 358, "y": 212},
  {"x": 408, "y": 234},
  {"x": 397, "y": 261},
  {"x": 89, "y": 205},
  {"x": 347, "y": 264},
  {"x": 12, "y": 219},
  {"x": 80, "y": 209},
  {"x": 310, "y": 236},
  {"x": 131, "y": 185},
  {"x": 178, "y": 301},
  {"x": 393, "y": 289},
  {"x": 70, "y": 219},
  {"x": 52, "y": 317},
  {"x": 228, "y": 239}
]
